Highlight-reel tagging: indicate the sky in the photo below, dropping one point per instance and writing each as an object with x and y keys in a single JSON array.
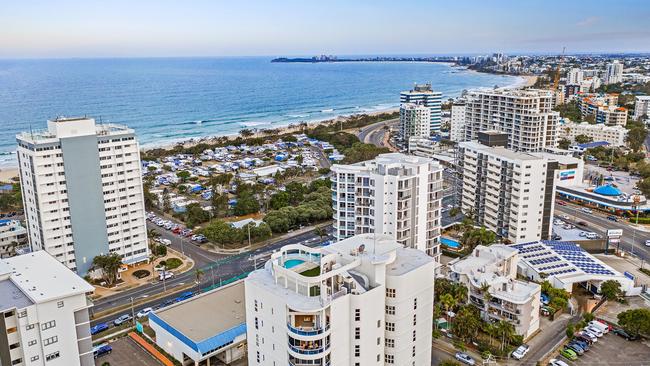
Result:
[{"x": 172, "y": 28}]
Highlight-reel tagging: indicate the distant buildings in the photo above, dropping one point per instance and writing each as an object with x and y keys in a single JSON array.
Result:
[
  {"x": 603, "y": 108},
  {"x": 393, "y": 194},
  {"x": 423, "y": 94},
  {"x": 82, "y": 191},
  {"x": 614, "y": 73},
  {"x": 494, "y": 269},
  {"x": 44, "y": 312},
  {"x": 365, "y": 300},
  {"x": 457, "y": 130},
  {"x": 642, "y": 107},
  {"x": 12, "y": 235},
  {"x": 526, "y": 116},
  {"x": 575, "y": 77},
  {"x": 614, "y": 135},
  {"x": 414, "y": 121},
  {"x": 511, "y": 193}
]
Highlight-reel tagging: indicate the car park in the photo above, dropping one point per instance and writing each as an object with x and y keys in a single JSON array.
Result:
[
  {"x": 569, "y": 354},
  {"x": 464, "y": 358},
  {"x": 101, "y": 350},
  {"x": 567, "y": 227},
  {"x": 521, "y": 351},
  {"x": 556, "y": 362},
  {"x": 122, "y": 319},
  {"x": 144, "y": 312},
  {"x": 98, "y": 328},
  {"x": 592, "y": 236}
]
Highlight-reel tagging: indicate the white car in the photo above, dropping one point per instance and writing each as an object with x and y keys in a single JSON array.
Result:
[
  {"x": 558, "y": 222},
  {"x": 583, "y": 234},
  {"x": 465, "y": 358},
  {"x": 556, "y": 362},
  {"x": 589, "y": 335},
  {"x": 165, "y": 276},
  {"x": 165, "y": 242},
  {"x": 586, "y": 210},
  {"x": 592, "y": 236},
  {"x": 594, "y": 330},
  {"x": 144, "y": 312},
  {"x": 647, "y": 243},
  {"x": 521, "y": 351}
]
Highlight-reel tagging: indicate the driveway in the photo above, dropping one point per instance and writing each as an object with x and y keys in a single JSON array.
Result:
[{"x": 127, "y": 353}]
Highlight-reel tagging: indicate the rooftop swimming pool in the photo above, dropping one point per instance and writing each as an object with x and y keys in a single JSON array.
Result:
[
  {"x": 290, "y": 263},
  {"x": 450, "y": 243}
]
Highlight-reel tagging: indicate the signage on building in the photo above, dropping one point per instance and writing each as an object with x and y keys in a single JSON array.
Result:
[{"x": 568, "y": 174}]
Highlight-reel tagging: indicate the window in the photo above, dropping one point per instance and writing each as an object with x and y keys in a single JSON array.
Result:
[
  {"x": 256, "y": 324},
  {"x": 413, "y": 353},
  {"x": 51, "y": 340},
  {"x": 357, "y": 315},
  {"x": 48, "y": 325},
  {"x": 390, "y": 292},
  {"x": 357, "y": 333},
  {"x": 415, "y": 303},
  {"x": 357, "y": 350},
  {"x": 11, "y": 330},
  {"x": 31, "y": 343},
  {"x": 390, "y": 359},
  {"x": 17, "y": 361},
  {"x": 52, "y": 356},
  {"x": 33, "y": 358},
  {"x": 14, "y": 346},
  {"x": 390, "y": 326},
  {"x": 390, "y": 309},
  {"x": 378, "y": 341},
  {"x": 414, "y": 336},
  {"x": 415, "y": 319},
  {"x": 378, "y": 323},
  {"x": 59, "y": 304},
  {"x": 390, "y": 343}
]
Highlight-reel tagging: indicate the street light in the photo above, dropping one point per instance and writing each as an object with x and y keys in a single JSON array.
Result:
[
  {"x": 637, "y": 200},
  {"x": 132, "y": 310}
]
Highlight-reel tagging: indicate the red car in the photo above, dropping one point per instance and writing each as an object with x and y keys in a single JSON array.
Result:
[
  {"x": 177, "y": 230},
  {"x": 606, "y": 323},
  {"x": 561, "y": 203}
]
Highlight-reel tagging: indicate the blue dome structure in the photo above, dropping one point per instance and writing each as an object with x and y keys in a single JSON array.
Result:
[{"x": 608, "y": 190}]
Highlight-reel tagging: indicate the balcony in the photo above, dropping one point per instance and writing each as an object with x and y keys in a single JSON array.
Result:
[
  {"x": 308, "y": 330},
  {"x": 304, "y": 350}
]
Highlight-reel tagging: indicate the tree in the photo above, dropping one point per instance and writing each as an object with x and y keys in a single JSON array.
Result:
[
  {"x": 570, "y": 330},
  {"x": 448, "y": 303},
  {"x": 487, "y": 297},
  {"x": 320, "y": 231},
  {"x": 246, "y": 133},
  {"x": 583, "y": 139},
  {"x": 477, "y": 236},
  {"x": 195, "y": 215},
  {"x": 635, "y": 321},
  {"x": 279, "y": 200},
  {"x": 159, "y": 250},
  {"x": 166, "y": 201},
  {"x": 198, "y": 276},
  {"x": 246, "y": 204},
  {"x": 467, "y": 323},
  {"x": 183, "y": 175},
  {"x": 109, "y": 265},
  {"x": 635, "y": 137},
  {"x": 611, "y": 289},
  {"x": 219, "y": 203},
  {"x": 454, "y": 211},
  {"x": 506, "y": 331}
]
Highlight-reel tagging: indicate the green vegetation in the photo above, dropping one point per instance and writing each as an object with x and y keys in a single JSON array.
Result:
[
  {"x": 449, "y": 363},
  {"x": 141, "y": 273},
  {"x": 108, "y": 264},
  {"x": 558, "y": 298},
  {"x": 583, "y": 139},
  {"x": 246, "y": 204},
  {"x": 636, "y": 134},
  {"x": 569, "y": 110},
  {"x": 11, "y": 200},
  {"x": 311, "y": 272},
  {"x": 472, "y": 237},
  {"x": 611, "y": 290},
  {"x": 224, "y": 234},
  {"x": 195, "y": 215},
  {"x": 635, "y": 321},
  {"x": 172, "y": 263},
  {"x": 315, "y": 206},
  {"x": 159, "y": 250},
  {"x": 362, "y": 152},
  {"x": 564, "y": 143}
]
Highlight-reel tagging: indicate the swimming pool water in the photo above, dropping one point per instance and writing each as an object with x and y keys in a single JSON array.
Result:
[
  {"x": 292, "y": 263},
  {"x": 450, "y": 243}
]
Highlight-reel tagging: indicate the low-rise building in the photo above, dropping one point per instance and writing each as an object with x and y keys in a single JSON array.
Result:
[
  {"x": 44, "y": 311},
  {"x": 12, "y": 235},
  {"x": 614, "y": 135},
  {"x": 494, "y": 269}
]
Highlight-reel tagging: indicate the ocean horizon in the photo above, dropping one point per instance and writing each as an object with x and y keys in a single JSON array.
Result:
[{"x": 168, "y": 100}]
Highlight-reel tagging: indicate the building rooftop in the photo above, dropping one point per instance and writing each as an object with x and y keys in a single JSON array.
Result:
[
  {"x": 40, "y": 277},
  {"x": 498, "y": 150},
  {"x": 12, "y": 297}
]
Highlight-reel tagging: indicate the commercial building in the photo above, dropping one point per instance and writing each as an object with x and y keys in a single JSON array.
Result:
[
  {"x": 365, "y": 300},
  {"x": 566, "y": 264},
  {"x": 394, "y": 194},
  {"x": 44, "y": 312},
  {"x": 642, "y": 107},
  {"x": 511, "y": 193},
  {"x": 208, "y": 329},
  {"x": 457, "y": 129},
  {"x": 12, "y": 235},
  {"x": 614, "y": 73},
  {"x": 82, "y": 191},
  {"x": 423, "y": 94},
  {"x": 510, "y": 299},
  {"x": 526, "y": 116},
  {"x": 614, "y": 135},
  {"x": 414, "y": 121}
]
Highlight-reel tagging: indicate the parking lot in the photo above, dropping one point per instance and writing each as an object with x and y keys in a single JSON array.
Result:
[
  {"x": 127, "y": 353},
  {"x": 614, "y": 350}
]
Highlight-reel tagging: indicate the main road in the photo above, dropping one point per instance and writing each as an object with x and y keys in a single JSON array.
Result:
[{"x": 374, "y": 133}]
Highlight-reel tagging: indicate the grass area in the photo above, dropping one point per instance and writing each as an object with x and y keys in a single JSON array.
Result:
[
  {"x": 141, "y": 273},
  {"x": 645, "y": 270},
  {"x": 311, "y": 272},
  {"x": 173, "y": 263}
]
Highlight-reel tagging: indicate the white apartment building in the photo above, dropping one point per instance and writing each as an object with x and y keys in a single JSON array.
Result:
[
  {"x": 510, "y": 299},
  {"x": 614, "y": 73},
  {"x": 510, "y": 193},
  {"x": 365, "y": 300},
  {"x": 423, "y": 147},
  {"x": 642, "y": 107},
  {"x": 44, "y": 312},
  {"x": 414, "y": 121},
  {"x": 575, "y": 76},
  {"x": 457, "y": 129},
  {"x": 423, "y": 94},
  {"x": 526, "y": 116},
  {"x": 614, "y": 135},
  {"x": 12, "y": 235},
  {"x": 82, "y": 191},
  {"x": 611, "y": 116},
  {"x": 394, "y": 194}
]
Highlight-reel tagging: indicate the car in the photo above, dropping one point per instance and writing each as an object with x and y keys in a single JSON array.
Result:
[
  {"x": 569, "y": 354},
  {"x": 165, "y": 242},
  {"x": 592, "y": 236},
  {"x": 601, "y": 321},
  {"x": 590, "y": 336},
  {"x": 600, "y": 326},
  {"x": 554, "y": 236},
  {"x": 167, "y": 303},
  {"x": 561, "y": 203},
  {"x": 612, "y": 218},
  {"x": 564, "y": 217},
  {"x": 177, "y": 229},
  {"x": 98, "y": 328},
  {"x": 464, "y": 358},
  {"x": 628, "y": 337},
  {"x": 144, "y": 312},
  {"x": 165, "y": 275},
  {"x": 122, "y": 319},
  {"x": 582, "y": 344},
  {"x": 521, "y": 351},
  {"x": 575, "y": 348},
  {"x": 556, "y": 362},
  {"x": 583, "y": 234},
  {"x": 590, "y": 328},
  {"x": 567, "y": 227},
  {"x": 184, "y": 296},
  {"x": 558, "y": 222},
  {"x": 584, "y": 339},
  {"x": 586, "y": 210},
  {"x": 581, "y": 223},
  {"x": 102, "y": 350},
  {"x": 647, "y": 243},
  {"x": 169, "y": 225},
  {"x": 160, "y": 223}
]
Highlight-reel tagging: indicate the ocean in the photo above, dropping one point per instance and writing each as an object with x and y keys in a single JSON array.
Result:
[{"x": 172, "y": 99}]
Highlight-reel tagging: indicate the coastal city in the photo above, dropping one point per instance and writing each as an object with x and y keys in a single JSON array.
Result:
[{"x": 501, "y": 220}]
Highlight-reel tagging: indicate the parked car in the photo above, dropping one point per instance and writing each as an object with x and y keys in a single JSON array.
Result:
[
  {"x": 590, "y": 336},
  {"x": 521, "y": 351},
  {"x": 98, "y": 328},
  {"x": 599, "y": 333},
  {"x": 647, "y": 243},
  {"x": 165, "y": 276},
  {"x": 628, "y": 337},
  {"x": 612, "y": 218},
  {"x": 556, "y": 362},
  {"x": 600, "y": 326},
  {"x": 575, "y": 348},
  {"x": 102, "y": 350},
  {"x": 564, "y": 217},
  {"x": 122, "y": 319},
  {"x": 177, "y": 230},
  {"x": 583, "y": 234},
  {"x": 144, "y": 312},
  {"x": 554, "y": 236},
  {"x": 609, "y": 326},
  {"x": 592, "y": 236},
  {"x": 584, "y": 338},
  {"x": 569, "y": 354},
  {"x": 464, "y": 358},
  {"x": 582, "y": 344}
]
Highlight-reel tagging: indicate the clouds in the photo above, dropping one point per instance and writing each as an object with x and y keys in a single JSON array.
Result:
[{"x": 588, "y": 22}]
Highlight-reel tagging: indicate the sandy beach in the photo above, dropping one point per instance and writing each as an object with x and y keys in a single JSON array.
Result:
[{"x": 7, "y": 174}]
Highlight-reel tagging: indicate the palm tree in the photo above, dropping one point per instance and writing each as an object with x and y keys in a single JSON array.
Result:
[
  {"x": 485, "y": 291},
  {"x": 506, "y": 331},
  {"x": 448, "y": 303},
  {"x": 320, "y": 232},
  {"x": 198, "y": 275},
  {"x": 460, "y": 293}
]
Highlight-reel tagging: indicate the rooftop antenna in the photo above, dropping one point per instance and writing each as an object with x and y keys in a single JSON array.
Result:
[{"x": 31, "y": 132}]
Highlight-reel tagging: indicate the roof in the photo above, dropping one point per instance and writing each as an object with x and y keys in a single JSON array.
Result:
[
  {"x": 608, "y": 190},
  {"x": 589, "y": 145},
  {"x": 12, "y": 297},
  {"x": 43, "y": 278},
  {"x": 207, "y": 321}
]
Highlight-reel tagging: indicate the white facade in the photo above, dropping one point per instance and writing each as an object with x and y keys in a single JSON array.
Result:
[
  {"x": 423, "y": 94},
  {"x": 527, "y": 117},
  {"x": 365, "y": 300},
  {"x": 414, "y": 121},
  {"x": 510, "y": 299},
  {"x": 457, "y": 130},
  {"x": 614, "y": 73},
  {"x": 45, "y": 312},
  {"x": 614, "y": 135},
  {"x": 423, "y": 147},
  {"x": 575, "y": 77},
  {"x": 12, "y": 235},
  {"x": 642, "y": 106},
  {"x": 508, "y": 192},
  {"x": 82, "y": 191},
  {"x": 393, "y": 194}
]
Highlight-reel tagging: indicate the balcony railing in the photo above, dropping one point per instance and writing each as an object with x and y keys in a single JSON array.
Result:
[
  {"x": 311, "y": 351},
  {"x": 326, "y": 363},
  {"x": 304, "y": 332}
]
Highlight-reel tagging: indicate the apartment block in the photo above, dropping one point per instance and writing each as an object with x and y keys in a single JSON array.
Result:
[
  {"x": 642, "y": 107},
  {"x": 394, "y": 194},
  {"x": 82, "y": 191},
  {"x": 603, "y": 108},
  {"x": 526, "y": 116},
  {"x": 510, "y": 299},
  {"x": 365, "y": 300},
  {"x": 43, "y": 313},
  {"x": 414, "y": 121},
  {"x": 511, "y": 193},
  {"x": 12, "y": 235},
  {"x": 614, "y": 73},
  {"x": 614, "y": 135},
  {"x": 457, "y": 129},
  {"x": 422, "y": 94},
  {"x": 575, "y": 76}
]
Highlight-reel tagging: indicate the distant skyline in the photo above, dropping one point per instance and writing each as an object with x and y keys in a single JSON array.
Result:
[{"x": 170, "y": 28}]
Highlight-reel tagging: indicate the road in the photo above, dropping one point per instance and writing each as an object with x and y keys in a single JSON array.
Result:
[
  {"x": 201, "y": 257},
  {"x": 632, "y": 241},
  {"x": 374, "y": 133}
]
